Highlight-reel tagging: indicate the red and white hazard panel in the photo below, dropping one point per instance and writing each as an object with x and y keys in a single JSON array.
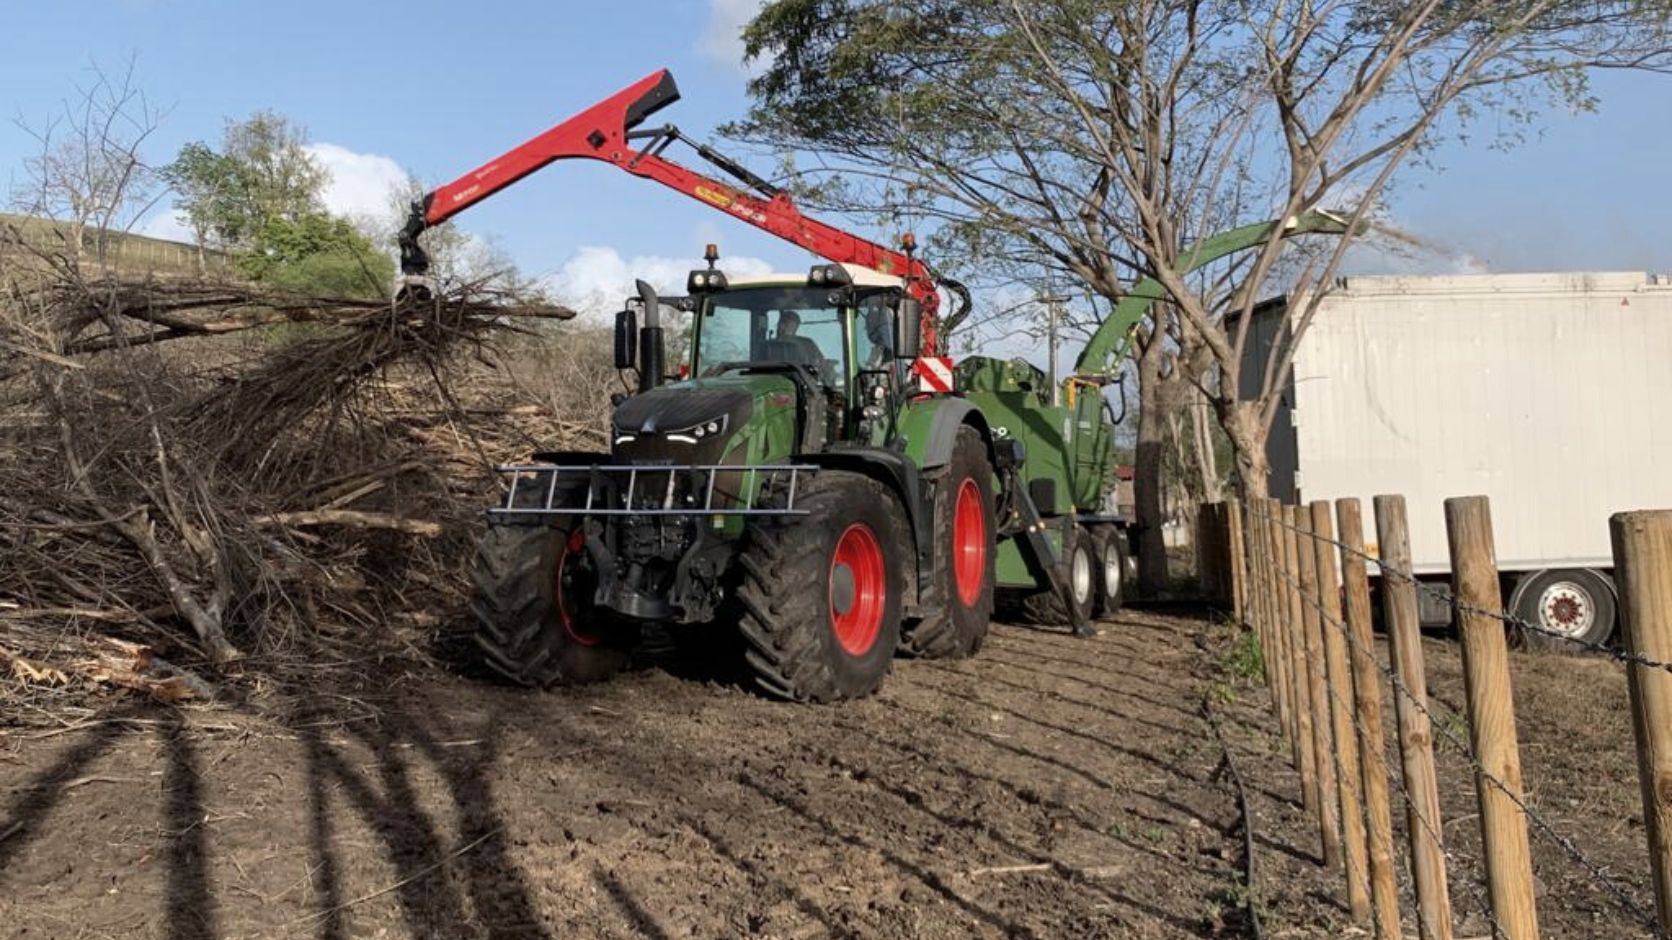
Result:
[{"x": 934, "y": 373}]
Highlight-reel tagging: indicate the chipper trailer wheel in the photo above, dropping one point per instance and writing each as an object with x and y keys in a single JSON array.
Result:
[
  {"x": 821, "y": 592},
  {"x": 1084, "y": 570},
  {"x": 1111, "y": 570},
  {"x": 535, "y": 619},
  {"x": 964, "y": 556}
]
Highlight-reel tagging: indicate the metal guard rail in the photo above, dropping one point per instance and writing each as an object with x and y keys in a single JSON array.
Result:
[{"x": 605, "y": 495}]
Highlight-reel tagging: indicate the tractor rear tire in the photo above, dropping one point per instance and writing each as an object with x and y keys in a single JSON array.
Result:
[
  {"x": 535, "y": 621},
  {"x": 821, "y": 592},
  {"x": 1045, "y": 607},
  {"x": 964, "y": 557}
]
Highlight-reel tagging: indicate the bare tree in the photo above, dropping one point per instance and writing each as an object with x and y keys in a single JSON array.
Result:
[
  {"x": 88, "y": 172},
  {"x": 1103, "y": 141}
]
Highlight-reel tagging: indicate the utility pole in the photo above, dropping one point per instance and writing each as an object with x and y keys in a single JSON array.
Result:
[{"x": 1053, "y": 318}]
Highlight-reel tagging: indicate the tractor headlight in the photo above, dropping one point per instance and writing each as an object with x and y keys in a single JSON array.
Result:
[
  {"x": 828, "y": 275},
  {"x": 701, "y": 281},
  {"x": 698, "y": 431}
]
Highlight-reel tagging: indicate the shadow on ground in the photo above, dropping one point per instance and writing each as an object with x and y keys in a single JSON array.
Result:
[{"x": 1050, "y": 787}]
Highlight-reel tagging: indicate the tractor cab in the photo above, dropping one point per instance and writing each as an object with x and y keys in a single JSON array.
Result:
[{"x": 840, "y": 334}]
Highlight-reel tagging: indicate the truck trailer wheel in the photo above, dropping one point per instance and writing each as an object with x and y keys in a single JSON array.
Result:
[
  {"x": 821, "y": 592},
  {"x": 1576, "y": 603},
  {"x": 535, "y": 619},
  {"x": 965, "y": 549}
]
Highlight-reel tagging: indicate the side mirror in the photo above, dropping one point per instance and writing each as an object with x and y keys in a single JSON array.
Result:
[
  {"x": 626, "y": 339},
  {"x": 908, "y": 328}
]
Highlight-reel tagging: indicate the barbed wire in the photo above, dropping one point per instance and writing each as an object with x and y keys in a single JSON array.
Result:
[
  {"x": 1398, "y": 781},
  {"x": 1450, "y": 599},
  {"x": 1454, "y": 859},
  {"x": 1621, "y": 895}
]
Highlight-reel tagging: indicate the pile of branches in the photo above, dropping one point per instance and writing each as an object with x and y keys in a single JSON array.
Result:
[{"x": 212, "y": 479}]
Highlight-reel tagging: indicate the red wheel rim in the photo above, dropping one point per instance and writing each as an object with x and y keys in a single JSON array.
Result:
[
  {"x": 858, "y": 579},
  {"x": 566, "y": 577},
  {"x": 969, "y": 543}
]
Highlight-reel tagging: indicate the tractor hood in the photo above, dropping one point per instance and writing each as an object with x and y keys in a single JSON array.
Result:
[
  {"x": 684, "y": 407},
  {"x": 697, "y": 421}
]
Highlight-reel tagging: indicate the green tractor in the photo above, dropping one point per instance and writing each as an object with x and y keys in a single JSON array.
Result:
[
  {"x": 803, "y": 485},
  {"x": 812, "y": 476}
]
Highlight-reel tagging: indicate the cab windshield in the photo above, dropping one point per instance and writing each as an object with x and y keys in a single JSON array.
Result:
[{"x": 796, "y": 325}]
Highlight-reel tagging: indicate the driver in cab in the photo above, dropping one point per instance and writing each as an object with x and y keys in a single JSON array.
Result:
[
  {"x": 789, "y": 346},
  {"x": 789, "y": 328}
]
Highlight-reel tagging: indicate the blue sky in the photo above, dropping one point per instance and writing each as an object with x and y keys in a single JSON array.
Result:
[
  {"x": 439, "y": 87},
  {"x": 435, "y": 87}
]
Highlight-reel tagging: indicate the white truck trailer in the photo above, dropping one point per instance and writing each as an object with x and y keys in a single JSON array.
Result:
[{"x": 1548, "y": 393}]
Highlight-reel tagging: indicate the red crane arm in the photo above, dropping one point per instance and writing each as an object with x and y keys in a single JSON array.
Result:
[{"x": 605, "y": 132}]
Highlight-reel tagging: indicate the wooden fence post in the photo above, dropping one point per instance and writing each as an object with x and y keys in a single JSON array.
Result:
[
  {"x": 1283, "y": 626},
  {"x": 1643, "y": 568},
  {"x": 1237, "y": 560},
  {"x": 1339, "y": 679},
  {"x": 1265, "y": 587},
  {"x": 1209, "y": 568},
  {"x": 1302, "y": 667},
  {"x": 1256, "y": 601},
  {"x": 1416, "y": 737},
  {"x": 1503, "y": 824},
  {"x": 1367, "y": 696},
  {"x": 1329, "y": 815}
]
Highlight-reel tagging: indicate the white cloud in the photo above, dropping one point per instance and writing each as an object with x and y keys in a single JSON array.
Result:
[
  {"x": 362, "y": 184},
  {"x": 167, "y": 225},
  {"x": 597, "y": 279},
  {"x": 721, "y": 41}
]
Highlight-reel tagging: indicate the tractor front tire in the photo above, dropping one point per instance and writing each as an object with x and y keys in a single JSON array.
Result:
[
  {"x": 535, "y": 620},
  {"x": 821, "y": 592},
  {"x": 964, "y": 557}
]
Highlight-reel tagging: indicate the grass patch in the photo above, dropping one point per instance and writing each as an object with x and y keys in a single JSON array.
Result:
[{"x": 1245, "y": 659}]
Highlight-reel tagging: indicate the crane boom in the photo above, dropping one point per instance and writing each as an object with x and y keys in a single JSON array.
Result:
[{"x": 606, "y": 132}]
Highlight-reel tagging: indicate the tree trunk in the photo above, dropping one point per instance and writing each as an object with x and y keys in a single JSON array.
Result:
[
  {"x": 1146, "y": 483},
  {"x": 1207, "y": 462},
  {"x": 1241, "y": 423}
]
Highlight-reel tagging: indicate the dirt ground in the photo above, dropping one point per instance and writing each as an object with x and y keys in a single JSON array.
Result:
[
  {"x": 1578, "y": 762},
  {"x": 1051, "y": 787}
]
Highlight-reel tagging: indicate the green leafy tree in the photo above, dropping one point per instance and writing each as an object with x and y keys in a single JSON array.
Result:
[
  {"x": 204, "y": 183},
  {"x": 259, "y": 197},
  {"x": 317, "y": 253},
  {"x": 277, "y": 177},
  {"x": 262, "y": 172},
  {"x": 1092, "y": 142}
]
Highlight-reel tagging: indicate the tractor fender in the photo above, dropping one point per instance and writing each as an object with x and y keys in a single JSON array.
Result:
[
  {"x": 900, "y": 474},
  {"x": 930, "y": 429}
]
